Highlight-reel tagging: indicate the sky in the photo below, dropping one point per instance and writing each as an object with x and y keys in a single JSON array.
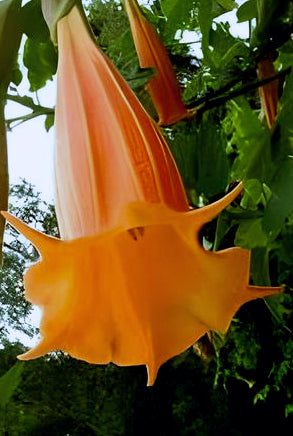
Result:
[{"x": 31, "y": 148}]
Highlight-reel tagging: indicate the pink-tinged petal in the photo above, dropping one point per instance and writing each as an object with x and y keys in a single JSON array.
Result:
[
  {"x": 164, "y": 87},
  {"x": 269, "y": 93},
  {"x": 108, "y": 151}
]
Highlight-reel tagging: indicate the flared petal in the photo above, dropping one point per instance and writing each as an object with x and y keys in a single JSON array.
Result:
[
  {"x": 41, "y": 241},
  {"x": 164, "y": 88},
  {"x": 269, "y": 93},
  {"x": 108, "y": 150},
  {"x": 132, "y": 301}
]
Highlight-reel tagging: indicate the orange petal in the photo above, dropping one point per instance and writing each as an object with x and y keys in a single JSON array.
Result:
[
  {"x": 187, "y": 224},
  {"x": 269, "y": 93},
  {"x": 132, "y": 301},
  {"x": 164, "y": 88},
  {"x": 108, "y": 150},
  {"x": 42, "y": 242}
]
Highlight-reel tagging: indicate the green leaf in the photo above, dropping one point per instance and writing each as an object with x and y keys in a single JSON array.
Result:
[
  {"x": 211, "y": 159},
  {"x": 49, "y": 122},
  {"x": 9, "y": 382},
  {"x": 266, "y": 10},
  {"x": 40, "y": 58},
  {"x": 222, "y": 41},
  {"x": 253, "y": 194},
  {"x": 205, "y": 19},
  {"x": 259, "y": 266},
  {"x": 237, "y": 50},
  {"x": 247, "y": 11},
  {"x": 177, "y": 12},
  {"x": 280, "y": 205},
  {"x": 221, "y": 7},
  {"x": 16, "y": 75},
  {"x": 286, "y": 55},
  {"x": 252, "y": 140},
  {"x": 33, "y": 23},
  {"x": 288, "y": 410},
  {"x": 228, "y": 5},
  {"x": 198, "y": 85},
  {"x": 122, "y": 52},
  {"x": 250, "y": 234},
  {"x": 285, "y": 244},
  {"x": 222, "y": 229},
  {"x": 183, "y": 147},
  {"x": 273, "y": 20},
  {"x": 10, "y": 36},
  {"x": 22, "y": 99},
  {"x": 280, "y": 307}
]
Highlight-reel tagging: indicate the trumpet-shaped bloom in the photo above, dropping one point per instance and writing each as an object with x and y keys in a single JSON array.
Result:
[
  {"x": 269, "y": 93},
  {"x": 108, "y": 151},
  {"x": 130, "y": 282},
  {"x": 163, "y": 88}
]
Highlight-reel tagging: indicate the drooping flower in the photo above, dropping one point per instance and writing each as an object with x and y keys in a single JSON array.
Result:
[
  {"x": 108, "y": 151},
  {"x": 269, "y": 93},
  {"x": 163, "y": 88},
  {"x": 130, "y": 282}
]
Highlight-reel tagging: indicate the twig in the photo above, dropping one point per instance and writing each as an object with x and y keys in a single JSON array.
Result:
[{"x": 204, "y": 104}]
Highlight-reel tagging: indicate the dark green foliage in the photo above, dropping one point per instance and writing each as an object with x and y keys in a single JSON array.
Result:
[
  {"x": 65, "y": 396},
  {"x": 274, "y": 25},
  {"x": 8, "y": 383},
  {"x": 247, "y": 11},
  {"x": 179, "y": 15},
  {"x": 194, "y": 146},
  {"x": 41, "y": 61},
  {"x": 33, "y": 23},
  {"x": 39, "y": 55}
]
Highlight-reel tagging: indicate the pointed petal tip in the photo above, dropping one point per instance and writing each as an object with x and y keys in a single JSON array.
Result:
[
  {"x": 184, "y": 114},
  {"x": 265, "y": 291},
  {"x": 238, "y": 188},
  {"x": 152, "y": 371},
  {"x": 23, "y": 356},
  {"x": 228, "y": 198},
  {"x": 39, "y": 350},
  {"x": 20, "y": 226},
  {"x": 211, "y": 211},
  {"x": 5, "y": 214},
  {"x": 40, "y": 240}
]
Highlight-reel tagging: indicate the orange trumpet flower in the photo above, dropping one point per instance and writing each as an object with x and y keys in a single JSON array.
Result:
[
  {"x": 130, "y": 282},
  {"x": 164, "y": 88},
  {"x": 269, "y": 93}
]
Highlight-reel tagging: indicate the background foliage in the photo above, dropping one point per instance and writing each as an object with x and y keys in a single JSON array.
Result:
[{"x": 240, "y": 384}]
